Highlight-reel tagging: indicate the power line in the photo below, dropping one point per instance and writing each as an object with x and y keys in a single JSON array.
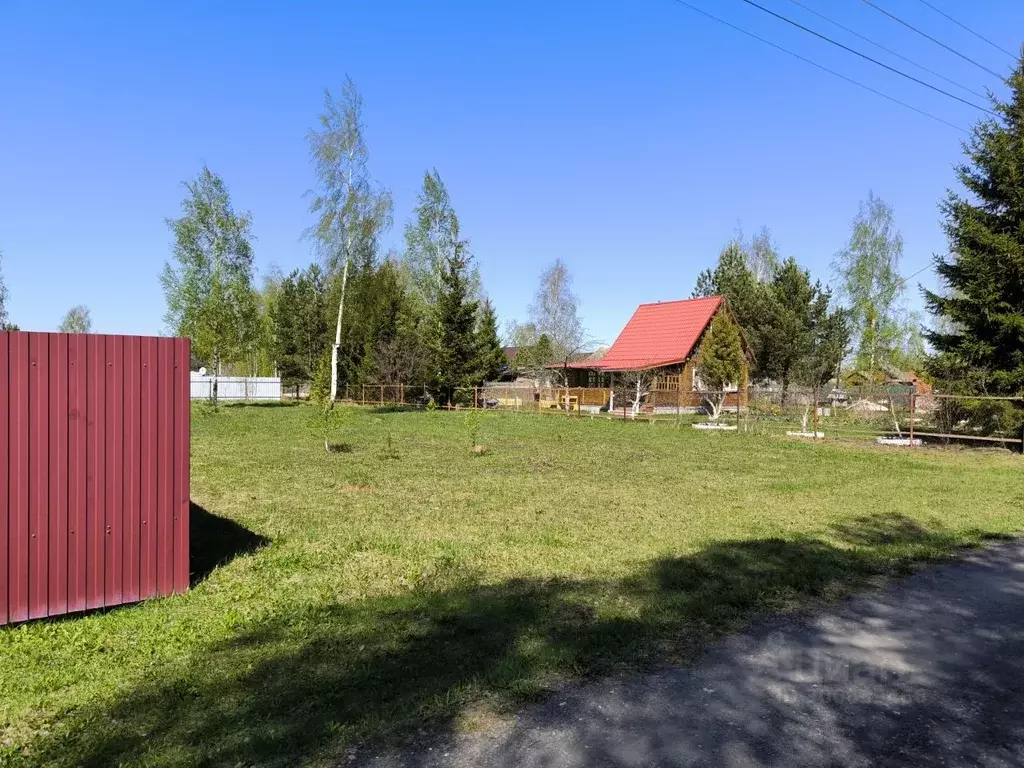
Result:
[
  {"x": 888, "y": 50},
  {"x": 937, "y": 42},
  {"x": 855, "y": 52},
  {"x": 820, "y": 66},
  {"x": 915, "y": 274},
  {"x": 964, "y": 26}
]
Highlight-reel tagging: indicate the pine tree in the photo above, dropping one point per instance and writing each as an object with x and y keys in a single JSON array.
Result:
[
  {"x": 491, "y": 356},
  {"x": 801, "y": 340},
  {"x": 980, "y": 333},
  {"x": 455, "y": 347}
]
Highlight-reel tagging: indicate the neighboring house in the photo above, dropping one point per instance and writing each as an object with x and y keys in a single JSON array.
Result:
[
  {"x": 889, "y": 376},
  {"x": 546, "y": 376},
  {"x": 662, "y": 339}
]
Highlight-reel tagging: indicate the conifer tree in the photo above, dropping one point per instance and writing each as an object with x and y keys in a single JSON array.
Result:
[
  {"x": 455, "y": 346},
  {"x": 979, "y": 338},
  {"x": 491, "y": 355},
  {"x": 720, "y": 361}
]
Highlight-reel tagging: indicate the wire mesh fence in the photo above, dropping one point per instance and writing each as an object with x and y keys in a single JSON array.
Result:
[
  {"x": 896, "y": 415},
  {"x": 893, "y": 414}
]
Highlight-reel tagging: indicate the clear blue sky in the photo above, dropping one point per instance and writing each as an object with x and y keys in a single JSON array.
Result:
[{"x": 628, "y": 137}]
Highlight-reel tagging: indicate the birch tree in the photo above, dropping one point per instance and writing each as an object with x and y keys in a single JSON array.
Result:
[
  {"x": 430, "y": 238},
  {"x": 77, "y": 320},
  {"x": 208, "y": 283},
  {"x": 763, "y": 256},
  {"x": 555, "y": 314},
  {"x": 869, "y": 282},
  {"x": 633, "y": 387},
  {"x": 5, "y": 321},
  {"x": 351, "y": 210}
]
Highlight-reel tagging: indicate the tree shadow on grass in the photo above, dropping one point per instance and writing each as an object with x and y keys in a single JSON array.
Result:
[
  {"x": 215, "y": 540},
  {"x": 393, "y": 670}
]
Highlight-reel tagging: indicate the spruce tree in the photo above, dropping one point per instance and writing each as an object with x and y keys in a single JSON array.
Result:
[
  {"x": 748, "y": 298},
  {"x": 491, "y": 356},
  {"x": 720, "y": 360},
  {"x": 455, "y": 345},
  {"x": 979, "y": 336},
  {"x": 301, "y": 321}
]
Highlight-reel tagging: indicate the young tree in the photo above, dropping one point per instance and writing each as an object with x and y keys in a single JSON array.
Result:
[
  {"x": 455, "y": 347},
  {"x": 555, "y": 313},
  {"x": 208, "y": 287},
  {"x": 492, "y": 359},
  {"x": 869, "y": 280},
  {"x": 77, "y": 320},
  {"x": 980, "y": 338},
  {"x": 719, "y": 361},
  {"x": 351, "y": 211}
]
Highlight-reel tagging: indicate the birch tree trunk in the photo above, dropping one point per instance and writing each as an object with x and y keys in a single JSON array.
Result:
[{"x": 337, "y": 334}]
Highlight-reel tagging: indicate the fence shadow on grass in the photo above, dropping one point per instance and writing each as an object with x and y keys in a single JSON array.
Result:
[
  {"x": 393, "y": 669},
  {"x": 215, "y": 540}
]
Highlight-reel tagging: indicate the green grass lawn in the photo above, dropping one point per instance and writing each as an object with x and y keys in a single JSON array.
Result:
[{"x": 410, "y": 584}]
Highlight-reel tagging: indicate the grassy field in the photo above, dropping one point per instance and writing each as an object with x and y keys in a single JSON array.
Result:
[{"x": 410, "y": 584}]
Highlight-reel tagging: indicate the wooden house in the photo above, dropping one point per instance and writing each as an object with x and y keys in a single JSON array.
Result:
[{"x": 662, "y": 338}]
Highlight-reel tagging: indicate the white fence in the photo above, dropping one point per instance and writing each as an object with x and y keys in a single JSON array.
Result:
[{"x": 236, "y": 387}]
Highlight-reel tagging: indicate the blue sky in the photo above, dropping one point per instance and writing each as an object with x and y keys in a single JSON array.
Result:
[{"x": 628, "y": 138}]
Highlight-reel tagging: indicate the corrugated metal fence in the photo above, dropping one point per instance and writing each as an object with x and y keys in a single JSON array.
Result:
[
  {"x": 94, "y": 471},
  {"x": 236, "y": 387}
]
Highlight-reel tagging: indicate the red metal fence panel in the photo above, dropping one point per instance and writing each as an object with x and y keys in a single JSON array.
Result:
[{"x": 94, "y": 471}]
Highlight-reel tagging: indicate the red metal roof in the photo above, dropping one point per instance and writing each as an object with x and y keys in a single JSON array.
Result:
[{"x": 659, "y": 334}]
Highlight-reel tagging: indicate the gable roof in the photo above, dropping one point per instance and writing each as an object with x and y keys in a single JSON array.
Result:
[{"x": 662, "y": 333}]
